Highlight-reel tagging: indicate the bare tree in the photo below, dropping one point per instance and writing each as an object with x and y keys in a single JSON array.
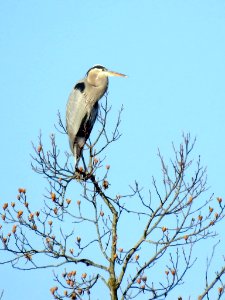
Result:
[
  {"x": 216, "y": 280},
  {"x": 165, "y": 226},
  {"x": 1, "y": 295}
]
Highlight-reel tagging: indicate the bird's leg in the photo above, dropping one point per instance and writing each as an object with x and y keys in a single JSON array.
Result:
[
  {"x": 76, "y": 160},
  {"x": 90, "y": 147},
  {"x": 85, "y": 167},
  {"x": 76, "y": 169}
]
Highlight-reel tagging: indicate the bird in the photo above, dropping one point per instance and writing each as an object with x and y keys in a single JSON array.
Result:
[{"x": 82, "y": 107}]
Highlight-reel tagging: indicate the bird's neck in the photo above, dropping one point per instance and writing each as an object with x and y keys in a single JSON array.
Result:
[{"x": 97, "y": 81}]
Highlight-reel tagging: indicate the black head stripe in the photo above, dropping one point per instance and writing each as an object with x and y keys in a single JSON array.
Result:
[
  {"x": 96, "y": 67},
  {"x": 80, "y": 86}
]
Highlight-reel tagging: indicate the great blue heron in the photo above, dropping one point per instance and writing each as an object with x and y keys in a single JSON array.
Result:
[{"x": 82, "y": 107}]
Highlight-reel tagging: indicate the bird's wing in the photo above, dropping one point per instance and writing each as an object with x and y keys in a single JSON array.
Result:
[
  {"x": 80, "y": 118},
  {"x": 84, "y": 131},
  {"x": 76, "y": 112}
]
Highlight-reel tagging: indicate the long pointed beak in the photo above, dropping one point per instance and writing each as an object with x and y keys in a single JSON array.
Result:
[{"x": 112, "y": 73}]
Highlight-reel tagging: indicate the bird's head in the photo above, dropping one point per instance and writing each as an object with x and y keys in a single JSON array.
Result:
[{"x": 99, "y": 74}]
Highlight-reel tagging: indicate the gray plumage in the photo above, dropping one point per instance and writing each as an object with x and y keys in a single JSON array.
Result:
[{"x": 82, "y": 107}]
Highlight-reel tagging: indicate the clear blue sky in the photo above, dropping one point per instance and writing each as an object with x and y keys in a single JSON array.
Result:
[{"x": 174, "y": 54}]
